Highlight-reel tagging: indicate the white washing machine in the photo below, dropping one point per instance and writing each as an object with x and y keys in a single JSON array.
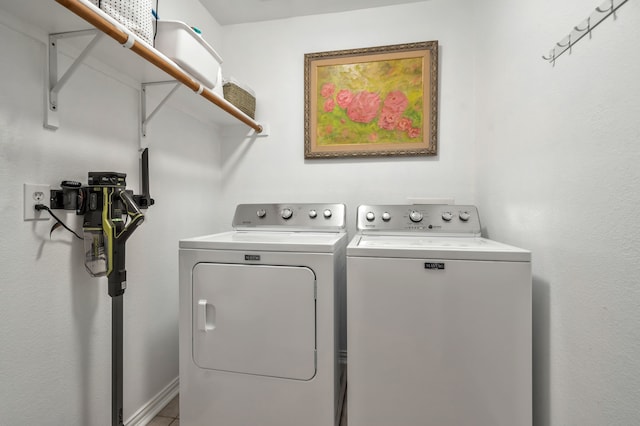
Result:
[
  {"x": 438, "y": 321},
  {"x": 258, "y": 318}
]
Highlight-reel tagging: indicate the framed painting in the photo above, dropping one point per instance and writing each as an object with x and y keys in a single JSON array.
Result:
[{"x": 371, "y": 102}]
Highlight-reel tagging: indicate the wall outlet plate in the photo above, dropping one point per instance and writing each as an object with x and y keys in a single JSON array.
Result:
[{"x": 36, "y": 194}]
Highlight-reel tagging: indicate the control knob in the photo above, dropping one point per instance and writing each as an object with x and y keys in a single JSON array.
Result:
[
  {"x": 386, "y": 216},
  {"x": 327, "y": 213},
  {"x": 286, "y": 213},
  {"x": 447, "y": 216},
  {"x": 464, "y": 216},
  {"x": 415, "y": 216},
  {"x": 313, "y": 214},
  {"x": 370, "y": 216},
  {"x": 261, "y": 213}
]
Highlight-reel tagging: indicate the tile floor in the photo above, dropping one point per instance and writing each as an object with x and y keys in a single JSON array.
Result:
[{"x": 169, "y": 416}]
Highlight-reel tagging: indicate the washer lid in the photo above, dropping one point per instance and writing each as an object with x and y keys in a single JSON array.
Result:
[
  {"x": 462, "y": 248},
  {"x": 314, "y": 242}
]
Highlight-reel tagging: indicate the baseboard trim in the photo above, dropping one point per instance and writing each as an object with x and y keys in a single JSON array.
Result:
[{"x": 149, "y": 410}]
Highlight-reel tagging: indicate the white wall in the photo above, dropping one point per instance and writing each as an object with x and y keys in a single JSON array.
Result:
[
  {"x": 558, "y": 155},
  {"x": 269, "y": 56},
  {"x": 55, "y": 320}
]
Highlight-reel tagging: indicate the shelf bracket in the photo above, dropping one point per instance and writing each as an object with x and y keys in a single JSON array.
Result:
[
  {"x": 143, "y": 101},
  {"x": 55, "y": 84}
]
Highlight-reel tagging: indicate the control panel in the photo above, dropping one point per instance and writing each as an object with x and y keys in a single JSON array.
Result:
[
  {"x": 449, "y": 219},
  {"x": 319, "y": 217}
]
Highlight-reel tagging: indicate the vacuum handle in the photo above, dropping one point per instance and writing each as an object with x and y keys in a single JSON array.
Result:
[{"x": 135, "y": 215}]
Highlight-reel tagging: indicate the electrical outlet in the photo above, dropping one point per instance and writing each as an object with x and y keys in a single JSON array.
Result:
[{"x": 36, "y": 194}]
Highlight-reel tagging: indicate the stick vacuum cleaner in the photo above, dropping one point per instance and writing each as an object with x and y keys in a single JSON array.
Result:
[{"x": 111, "y": 214}]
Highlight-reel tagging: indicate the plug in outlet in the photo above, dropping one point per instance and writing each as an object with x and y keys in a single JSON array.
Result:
[{"x": 36, "y": 194}]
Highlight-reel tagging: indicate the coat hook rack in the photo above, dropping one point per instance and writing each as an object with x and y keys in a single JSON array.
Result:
[{"x": 601, "y": 13}]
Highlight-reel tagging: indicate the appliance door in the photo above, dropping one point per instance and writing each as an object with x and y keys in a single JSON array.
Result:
[
  {"x": 437, "y": 342},
  {"x": 255, "y": 319}
]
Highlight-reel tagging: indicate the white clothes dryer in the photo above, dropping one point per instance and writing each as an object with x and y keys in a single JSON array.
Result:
[
  {"x": 258, "y": 318},
  {"x": 438, "y": 321}
]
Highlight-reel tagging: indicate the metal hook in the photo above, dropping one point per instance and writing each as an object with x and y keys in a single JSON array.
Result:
[
  {"x": 552, "y": 56},
  {"x": 605, "y": 10},
  {"x": 588, "y": 28},
  {"x": 565, "y": 45}
]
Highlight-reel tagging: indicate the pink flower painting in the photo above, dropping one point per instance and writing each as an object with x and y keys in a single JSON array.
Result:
[
  {"x": 388, "y": 120},
  {"x": 396, "y": 101},
  {"x": 327, "y": 90},
  {"x": 404, "y": 124},
  {"x": 363, "y": 108},
  {"x": 344, "y": 98},
  {"x": 329, "y": 105},
  {"x": 370, "y": 102},
  {"x": 373, "y": 102}
]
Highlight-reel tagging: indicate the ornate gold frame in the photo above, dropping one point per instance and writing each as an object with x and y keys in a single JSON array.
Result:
[{"x": 335, "y": 129}]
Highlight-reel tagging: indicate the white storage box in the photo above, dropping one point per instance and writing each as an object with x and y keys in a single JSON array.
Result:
[
  {"x": 184, "y": 46},
  {"x": 134, "y": 14}
]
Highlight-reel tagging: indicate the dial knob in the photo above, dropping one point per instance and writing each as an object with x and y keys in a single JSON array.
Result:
[
  {"x": 415, "y": 216},
  {"x": 286, "y": 213},
  {"x": 313, "y": 214},
  {"x": 370, "y": 216},
  {"x": 386, "y": 216},
  {"x": 327, "y": 213},
  {"x": 261, "y": 213},
  {"x": 464, "y": 216},
  {"x": 447, "y": 216}
]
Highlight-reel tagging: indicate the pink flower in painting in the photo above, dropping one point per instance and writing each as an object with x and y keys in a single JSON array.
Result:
[
  {"x": 388, "y": 119},
  {"x": 414, "y": 132},
  {"x": 363, "y": 107},
  {"x": 344, "y": 98},
  {"x": 373, "y": 137},
  {"x": 404, "y": 124},
  {"x": 396, "y": 101},
  {"x": 329, "y": 105},
  {"x": 327, "y": 90}
]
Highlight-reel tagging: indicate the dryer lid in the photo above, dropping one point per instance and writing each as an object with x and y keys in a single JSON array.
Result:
[{"x": 302, "y": 242}]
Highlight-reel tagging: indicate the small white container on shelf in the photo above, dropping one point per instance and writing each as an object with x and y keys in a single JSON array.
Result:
[{"x": 185, "y": 47}]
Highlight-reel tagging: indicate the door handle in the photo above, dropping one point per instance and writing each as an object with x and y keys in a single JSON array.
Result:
[{"x": 206, "y": 316}]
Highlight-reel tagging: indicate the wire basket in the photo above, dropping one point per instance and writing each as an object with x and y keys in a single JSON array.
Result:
[{"x": 241, "y": 97}]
